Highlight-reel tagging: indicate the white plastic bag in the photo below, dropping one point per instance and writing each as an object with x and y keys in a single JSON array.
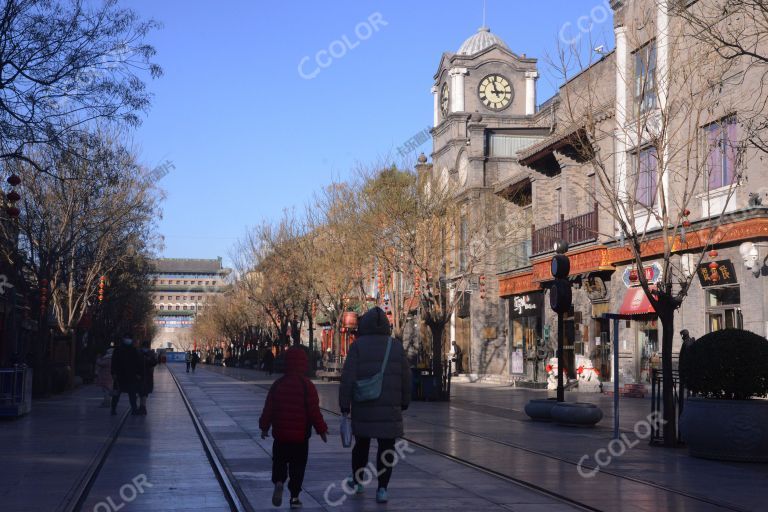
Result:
[{"x": 346, "y": 431}]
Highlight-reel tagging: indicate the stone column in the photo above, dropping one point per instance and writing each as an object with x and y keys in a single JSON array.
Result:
[
  {"x": 457, "y": 89},
  {"x": 662, "y": 82},
  {"x": 623, "y": 82},
  {"x": 436, "y": 103},
  {"x": 530, "y": 92}
]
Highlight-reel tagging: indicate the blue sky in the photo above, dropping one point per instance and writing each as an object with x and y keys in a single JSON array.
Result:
[{"x": 249, "y": 136}]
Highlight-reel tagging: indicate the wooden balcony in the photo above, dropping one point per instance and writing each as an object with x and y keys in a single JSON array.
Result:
[{"x": 576, "y": 230}]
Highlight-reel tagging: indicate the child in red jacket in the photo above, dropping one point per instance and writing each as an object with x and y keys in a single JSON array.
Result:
[{"x": 292, "y": 409}]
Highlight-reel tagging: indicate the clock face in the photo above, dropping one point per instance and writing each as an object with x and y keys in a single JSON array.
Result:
[
  {"x": 495, "y": 92},
  {"x": 444, "y": 99}
]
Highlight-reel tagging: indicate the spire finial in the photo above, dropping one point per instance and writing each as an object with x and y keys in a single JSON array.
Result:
[{"x": 485, "y": 9}]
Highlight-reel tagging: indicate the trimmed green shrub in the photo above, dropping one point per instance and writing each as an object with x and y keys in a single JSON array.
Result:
[{"x": 731, "y": 364}]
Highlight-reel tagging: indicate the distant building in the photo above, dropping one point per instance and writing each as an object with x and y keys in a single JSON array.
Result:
[{"x": 181, "y": 288}]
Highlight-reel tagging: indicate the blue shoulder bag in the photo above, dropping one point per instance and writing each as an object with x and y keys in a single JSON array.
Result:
[{"x": 369, "y": 389}]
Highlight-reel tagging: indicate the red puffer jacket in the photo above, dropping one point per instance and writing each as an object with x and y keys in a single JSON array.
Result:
[{"x": 292, "y": 403}]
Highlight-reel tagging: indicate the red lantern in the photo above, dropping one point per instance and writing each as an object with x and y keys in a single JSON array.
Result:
[
  {"x": 12, "y": 211},
  {"x": 713, "y": 265},
  {"x": 713, "y": 253},
  {"x": 686, "y": 212},
  {"x": 13, "y": 196},
  {"x": 13, "y": 180},
  {"x": 686, "y": 223}
]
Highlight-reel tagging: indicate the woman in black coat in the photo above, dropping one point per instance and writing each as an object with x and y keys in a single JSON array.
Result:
[{"x": 381, "y": 418}]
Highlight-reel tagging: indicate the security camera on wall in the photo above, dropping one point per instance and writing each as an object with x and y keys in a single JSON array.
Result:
[{"x": 750, "y": 256}]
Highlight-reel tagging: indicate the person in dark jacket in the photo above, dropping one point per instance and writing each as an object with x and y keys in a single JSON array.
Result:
[
  {"x": 126, "y": 372},
  {"x": 269, "y": 361},
  {"x": 292, "y": 408},
  {"x": 381, "y": 418},
  {"x": 147, "y": 384},
  {"x": 195, "y": 360}
]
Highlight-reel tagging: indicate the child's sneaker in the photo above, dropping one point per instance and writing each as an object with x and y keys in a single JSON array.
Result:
[
  {"x": 296, "y": 503},
  {"x": 277, "y": 496},
  {"x": 381, "y": 495}
]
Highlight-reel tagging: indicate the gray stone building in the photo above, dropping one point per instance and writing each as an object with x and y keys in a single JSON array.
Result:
[
  {"x": 529, "y": 163},
  {"x": 181, "y": 288}
]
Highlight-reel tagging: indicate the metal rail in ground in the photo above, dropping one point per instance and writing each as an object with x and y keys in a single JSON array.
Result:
[
  {"x": 75, "y": 499},
  {"x": 523, "y": 483},
  {"x": 232, "y": 491}
]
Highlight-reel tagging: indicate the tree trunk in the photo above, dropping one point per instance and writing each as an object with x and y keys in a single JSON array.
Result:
[
  {"x": 438, "y": 329},
  {"x": 667, "y": 318}
]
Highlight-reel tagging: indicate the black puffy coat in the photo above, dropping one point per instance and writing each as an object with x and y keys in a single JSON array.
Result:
[
  {"x": 126, "y": 367},
  {"x": 381, "y": 418}
]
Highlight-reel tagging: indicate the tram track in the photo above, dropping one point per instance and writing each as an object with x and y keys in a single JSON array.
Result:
[
  {"x": 232, "y": 493},
  {"x": 703, "y": 501}
]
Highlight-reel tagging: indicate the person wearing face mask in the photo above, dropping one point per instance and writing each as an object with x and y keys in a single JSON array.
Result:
[{"x": 126, "y": 372}]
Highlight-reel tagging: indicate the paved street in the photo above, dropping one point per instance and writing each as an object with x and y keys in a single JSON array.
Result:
[
  {"x": 471, "y": 454},
  {"x": 485, "y": 425},
  {"x": 423, "y": 481}
]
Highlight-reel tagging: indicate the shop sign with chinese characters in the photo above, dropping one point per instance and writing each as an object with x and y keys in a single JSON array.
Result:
[{"x": 722, "y": 272}]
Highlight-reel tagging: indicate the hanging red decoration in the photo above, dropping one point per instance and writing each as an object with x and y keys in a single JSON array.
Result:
[
  {"x": 13, "y": 196},
  {"x": 686, "y": 223},
  {"x": 13, "y": 180},
  {"x": 12, "y": 212},
  {"x": 713, "y": 265},
  {"x": 713, "y": 253}
]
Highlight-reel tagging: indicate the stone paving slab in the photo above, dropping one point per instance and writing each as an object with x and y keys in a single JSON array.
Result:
[
  {"x": 484, "y": 424},
  {"x": 46, "y": 454},
  {"x": 163, "y": 447},
  {"x": 423, "y": 481}
]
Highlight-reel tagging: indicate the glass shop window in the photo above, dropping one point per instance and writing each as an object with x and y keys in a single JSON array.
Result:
[{"x": 724, "y": 308}]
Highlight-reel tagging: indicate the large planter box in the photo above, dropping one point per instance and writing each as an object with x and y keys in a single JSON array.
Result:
[{"x": 726, "y": 429}]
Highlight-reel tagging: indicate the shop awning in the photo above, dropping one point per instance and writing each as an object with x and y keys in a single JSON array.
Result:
[{"x": 636, "y": 304}]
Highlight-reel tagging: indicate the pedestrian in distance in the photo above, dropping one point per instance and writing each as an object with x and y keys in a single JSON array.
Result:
[
  {"x": 188, "y": 359},
  {"x": 195, "y": 360},
  {"x": 291, "y": 410},
  {"x": 459, "y": 357},
  {"x": 126, "y": 372},
  {"x": 147, "y": 385},
  {"x": 269, "y": 361},
  {"x": 382, "y": 417},
  {"x": 104, "y": 376},
  {"x": 683, "y": 364}
]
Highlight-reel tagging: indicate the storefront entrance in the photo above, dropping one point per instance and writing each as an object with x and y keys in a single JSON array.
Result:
[
  {"x": 647, "y": 353},
  {"x": 526, "y": 347}
]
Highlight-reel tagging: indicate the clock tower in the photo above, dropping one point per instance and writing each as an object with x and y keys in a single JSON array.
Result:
[{"x": 484, "y": 112}]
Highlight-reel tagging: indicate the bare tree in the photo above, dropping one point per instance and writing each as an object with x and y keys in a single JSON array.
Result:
[
  {"x": 337, "y": 253},
  {"x": 88, "y": 221},
  {"x": 63, "y": 65},
  {"x": 652, "y": 159},
  {"x": 737, "y": 31},
  {"x": 429, "y": 247}
]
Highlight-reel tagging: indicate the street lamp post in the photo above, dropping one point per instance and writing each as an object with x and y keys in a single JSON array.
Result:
[{"x": 560, "y": 300}]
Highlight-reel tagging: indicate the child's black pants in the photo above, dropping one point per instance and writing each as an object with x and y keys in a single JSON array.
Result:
[{"x": 290, "y": 460}]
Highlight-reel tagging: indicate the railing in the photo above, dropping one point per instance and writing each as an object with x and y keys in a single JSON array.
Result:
[
  {"x": 657, "y": 404},
  {"x": 579, "y": 229},
  {"x": 15, "y": 391},
  {"x": 514, "y": 257}
]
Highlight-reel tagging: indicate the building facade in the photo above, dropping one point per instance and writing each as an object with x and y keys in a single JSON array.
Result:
[
  {"x": 499, "y": 147},
  {"x": 181, "y": 288}
]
